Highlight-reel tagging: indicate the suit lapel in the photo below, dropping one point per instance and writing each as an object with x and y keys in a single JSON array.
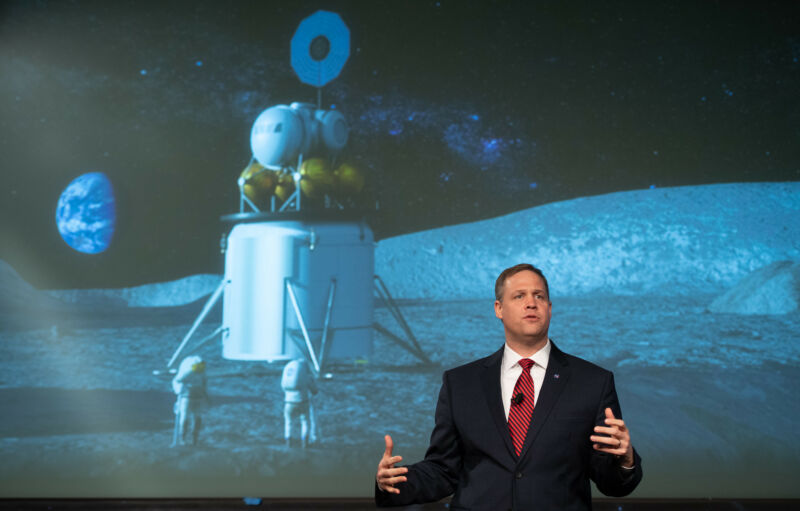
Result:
[
  {"x": 490, "y": 381},
  {"x": 555, "y": 379}
]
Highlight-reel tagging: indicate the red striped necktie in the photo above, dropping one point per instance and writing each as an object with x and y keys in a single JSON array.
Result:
[{"x": 519, "y": 416}]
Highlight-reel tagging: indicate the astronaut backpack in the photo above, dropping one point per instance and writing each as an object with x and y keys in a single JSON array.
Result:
[
  {"x": 190, "y": 377},
  {"x": 295, "y": 376}
]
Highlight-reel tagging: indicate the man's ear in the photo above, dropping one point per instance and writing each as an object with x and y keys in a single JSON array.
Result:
[{"x": 498, "y": 309}]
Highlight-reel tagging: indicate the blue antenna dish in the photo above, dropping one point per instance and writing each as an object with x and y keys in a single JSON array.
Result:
[{"x": 320, "y": 48}]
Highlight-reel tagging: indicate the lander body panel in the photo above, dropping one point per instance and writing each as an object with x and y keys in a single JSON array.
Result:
[{"x": 328, "y": 267}]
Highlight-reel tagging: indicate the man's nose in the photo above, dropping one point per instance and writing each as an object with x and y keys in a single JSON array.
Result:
[{"x": 530, "y": 303}]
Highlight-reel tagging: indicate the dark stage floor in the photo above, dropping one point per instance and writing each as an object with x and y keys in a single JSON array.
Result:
[{"x": 364, "y": 504}]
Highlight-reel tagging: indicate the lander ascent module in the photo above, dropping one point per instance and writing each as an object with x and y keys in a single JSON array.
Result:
[{"x": 299, "y": 262}]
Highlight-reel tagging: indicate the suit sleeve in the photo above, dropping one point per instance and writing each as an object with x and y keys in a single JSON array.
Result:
[
  {"x": 611, "y": 479},
  {"x": 436, "y": 476}
]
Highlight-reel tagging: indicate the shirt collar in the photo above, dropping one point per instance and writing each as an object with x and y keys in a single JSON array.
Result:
[{"x": 511, "y": 358}]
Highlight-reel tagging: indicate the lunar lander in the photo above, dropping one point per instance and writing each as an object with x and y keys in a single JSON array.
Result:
[{"x": 299, "y": 260}]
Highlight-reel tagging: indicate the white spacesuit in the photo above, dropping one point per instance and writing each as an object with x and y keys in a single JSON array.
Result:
[
  {"x": 190, "y": 387},
  {"x": 298, "y": 385}
]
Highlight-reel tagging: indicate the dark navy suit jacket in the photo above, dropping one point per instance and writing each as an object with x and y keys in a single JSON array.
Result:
[{"x": 471, "y": 455}]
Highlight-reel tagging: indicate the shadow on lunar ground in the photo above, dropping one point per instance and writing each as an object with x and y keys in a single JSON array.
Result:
[
  {"x": 710, "y": 399},
  {"x": 29, "y": 411}
]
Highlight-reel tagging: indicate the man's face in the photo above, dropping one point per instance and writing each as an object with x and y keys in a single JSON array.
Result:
[{"x": 525, "y": 309}]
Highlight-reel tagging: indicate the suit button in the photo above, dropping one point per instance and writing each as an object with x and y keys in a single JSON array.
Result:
[{"x": 519, "y": 475}]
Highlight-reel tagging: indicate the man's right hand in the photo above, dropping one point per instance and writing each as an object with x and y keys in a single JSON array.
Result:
[{"x": 387, "y": 475}]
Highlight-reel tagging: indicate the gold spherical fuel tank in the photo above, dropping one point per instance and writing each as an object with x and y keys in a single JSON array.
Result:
[
  {"x": 285, "y": 186},
  {"x": 316, "y": 178},
  {"x": 348, "y": 180},
  {"x": 258, "y": 183}
]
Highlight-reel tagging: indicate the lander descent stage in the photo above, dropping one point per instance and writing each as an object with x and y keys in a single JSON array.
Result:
[{"x": 299, "y": 281}]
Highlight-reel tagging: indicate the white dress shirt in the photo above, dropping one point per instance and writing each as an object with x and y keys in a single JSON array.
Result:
[{"x": 510, "y": 371}]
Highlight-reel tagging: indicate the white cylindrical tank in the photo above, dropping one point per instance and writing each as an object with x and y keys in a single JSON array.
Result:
[
  {"x": 258, "y": 316},
  {"x": 281, "y": 133},
  {"x": 277, "y": 137}
]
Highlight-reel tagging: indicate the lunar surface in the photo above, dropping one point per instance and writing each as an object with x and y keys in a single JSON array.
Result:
[{"x": 710, "y": 398}]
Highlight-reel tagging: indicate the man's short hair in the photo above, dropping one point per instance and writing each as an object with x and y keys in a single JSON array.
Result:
[{"x": 508, "y": 272}]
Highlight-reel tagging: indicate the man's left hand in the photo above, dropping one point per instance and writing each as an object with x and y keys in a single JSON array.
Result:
[{"x": 617, "y": 441}]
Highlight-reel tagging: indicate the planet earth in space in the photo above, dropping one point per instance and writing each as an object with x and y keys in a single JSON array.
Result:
[{"x": 86, "y": 213}]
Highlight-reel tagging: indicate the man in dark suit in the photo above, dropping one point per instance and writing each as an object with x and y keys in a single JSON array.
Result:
[{"x": 525, "y": 428}]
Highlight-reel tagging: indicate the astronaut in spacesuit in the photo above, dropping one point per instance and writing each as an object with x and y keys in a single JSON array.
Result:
[
  {"x": 298, "y": 386},
  {"x": 189, "y": 386}
]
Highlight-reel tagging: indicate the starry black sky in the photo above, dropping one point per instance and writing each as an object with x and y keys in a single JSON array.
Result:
[{"x": 458, "y": 111}]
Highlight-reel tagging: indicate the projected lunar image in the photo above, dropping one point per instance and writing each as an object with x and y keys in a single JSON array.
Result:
[
  {"x": 79, "y": 390},
  {"x": 240, "y": 241}
]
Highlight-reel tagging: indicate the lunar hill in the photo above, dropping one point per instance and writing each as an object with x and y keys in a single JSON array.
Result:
[
  {"x": 23, "y": 307},
  {"x": 160, "y": 294},
  {"x": 668, "y": 241},
  {"x": 773, "y": 289},
  {"x": 664, "y": 241}
]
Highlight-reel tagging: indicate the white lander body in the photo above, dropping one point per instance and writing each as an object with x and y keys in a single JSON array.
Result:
[{"x": 298, "y": 288}]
